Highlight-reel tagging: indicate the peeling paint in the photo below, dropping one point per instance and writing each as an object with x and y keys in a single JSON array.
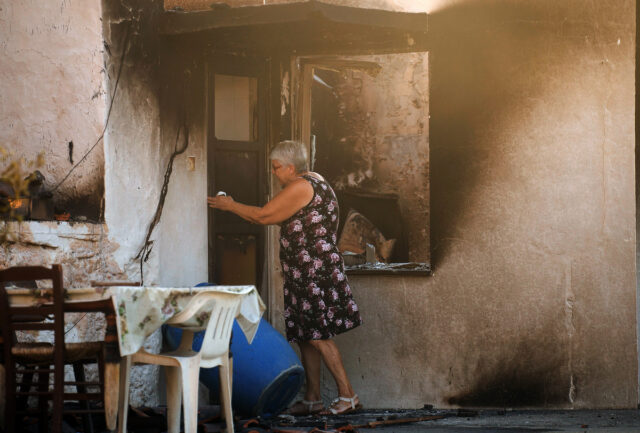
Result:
[{"x": 82, "y": 249}]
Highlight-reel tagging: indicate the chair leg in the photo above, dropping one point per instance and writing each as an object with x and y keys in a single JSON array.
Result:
[
  {"x": 10, "y": 397},
  {"x": 3, "y": 396},
  {"x": 78, "y": 372},
  {"x": 58, "y": 395},
  {"x": 225, "y": 393},
  {"x": 190, "y": 372},
  {"x": 174, "y": 398},
  {"x": 43, "y": 402},
  {"x": 43, "y": 407},
  {"x": 230, "y": 383},
  {"x": 25, "y": 386},
  {"x": 231, "y": 374},
  {"x": 123, "y": 393}
]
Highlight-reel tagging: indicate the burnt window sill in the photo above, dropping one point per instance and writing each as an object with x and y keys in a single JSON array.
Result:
[{"x": 410, "y": 268}]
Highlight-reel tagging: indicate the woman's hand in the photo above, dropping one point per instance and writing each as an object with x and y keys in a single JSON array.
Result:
[
  {"x": 222, "y": 202},
  {"x": 288, "y": 201}
]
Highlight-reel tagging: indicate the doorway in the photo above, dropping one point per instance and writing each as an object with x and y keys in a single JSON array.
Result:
[{"x": 236, "y": 165}]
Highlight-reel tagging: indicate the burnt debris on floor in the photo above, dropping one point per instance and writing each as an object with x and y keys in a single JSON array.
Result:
[
  {"x": 348, "y": 423},
  {"x": 449, "y": 420},
  {"x": 153, "y": 420}
]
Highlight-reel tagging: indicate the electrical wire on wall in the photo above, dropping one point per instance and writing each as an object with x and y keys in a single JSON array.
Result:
[
  {"x": 125, "y": 45},
  {"x": 147, "y": 247},
  {"x": 125, "y": 49}
]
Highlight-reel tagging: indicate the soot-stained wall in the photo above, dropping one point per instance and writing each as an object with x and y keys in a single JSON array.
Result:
[
  {"x": 63, "y": 67},
  {"x": 135, "y": 160},
  {"x": 183, "y": 232},
  {"x": 52, "y": 96},
  {"x": 372, "y": 135},
  {"x": 532, "y": 299}
]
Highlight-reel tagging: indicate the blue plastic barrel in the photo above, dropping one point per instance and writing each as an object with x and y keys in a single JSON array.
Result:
[{"x": 267, "y": 374}]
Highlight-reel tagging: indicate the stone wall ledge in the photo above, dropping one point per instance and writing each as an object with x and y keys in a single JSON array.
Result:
[{"x": 59, "y": 228}]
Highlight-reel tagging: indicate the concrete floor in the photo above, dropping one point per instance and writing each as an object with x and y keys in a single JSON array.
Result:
[
  {"x": 450, "y": 421},
  {"x": 502, "y": 421}
]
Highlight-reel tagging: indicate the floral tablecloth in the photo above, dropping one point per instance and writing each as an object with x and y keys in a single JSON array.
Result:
[{"x": 142, "y": 310}]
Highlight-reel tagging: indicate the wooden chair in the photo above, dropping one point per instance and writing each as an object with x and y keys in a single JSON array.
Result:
[{"x": 27, "y": 359}]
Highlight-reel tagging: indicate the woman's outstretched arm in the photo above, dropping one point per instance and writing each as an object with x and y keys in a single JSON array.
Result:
[{"x": 287, "y": 202}]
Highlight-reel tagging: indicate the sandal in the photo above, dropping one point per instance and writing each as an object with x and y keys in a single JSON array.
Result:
[
  {"x": 338, "y": 407},
  {"x": 305, "y": 407}
]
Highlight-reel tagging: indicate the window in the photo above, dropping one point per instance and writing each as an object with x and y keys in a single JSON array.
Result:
[
  {"x": 236, "y": 100},
  {"x": 366, "y": 120}
]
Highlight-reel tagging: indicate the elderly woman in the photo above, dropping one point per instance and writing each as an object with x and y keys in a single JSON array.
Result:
[{"x": 318, "y": 300}]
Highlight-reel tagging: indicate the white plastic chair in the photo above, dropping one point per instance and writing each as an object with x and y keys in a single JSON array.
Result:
[{"x": 183, "y": 365}]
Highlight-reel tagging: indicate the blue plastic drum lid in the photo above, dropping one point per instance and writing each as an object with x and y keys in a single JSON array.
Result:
[{"x": 267, "y": 374}]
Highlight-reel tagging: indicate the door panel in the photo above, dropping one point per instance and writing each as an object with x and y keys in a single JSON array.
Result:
[
  {"x": 236, "y": 165},
  {"x": 235, "y": 174},
  {"x": 236, "y": 258}
]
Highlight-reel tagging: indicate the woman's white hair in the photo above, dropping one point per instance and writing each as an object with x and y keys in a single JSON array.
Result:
[{"x": 291, "y": 152}]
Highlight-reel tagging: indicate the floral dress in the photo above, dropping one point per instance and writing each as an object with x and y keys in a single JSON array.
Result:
[{"x": 317, "y": 297}]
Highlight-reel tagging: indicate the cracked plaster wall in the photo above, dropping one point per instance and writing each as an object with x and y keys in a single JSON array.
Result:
[
  {"x": 161, "y": 89},
  {"x": 85, "y": 253},
  {"x": 52, "y": 92},
  {"x": 532, "y": 302},
  {"x": 64, "y": 61}
]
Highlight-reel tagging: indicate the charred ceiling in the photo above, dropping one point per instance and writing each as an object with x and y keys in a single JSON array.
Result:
[{"x": 311, "y": 27}]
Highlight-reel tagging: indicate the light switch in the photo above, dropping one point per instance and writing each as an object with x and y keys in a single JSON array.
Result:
[{"x": 191, "y": 163}]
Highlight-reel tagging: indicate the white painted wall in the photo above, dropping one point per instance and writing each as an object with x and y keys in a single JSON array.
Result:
[
  {"x": 183, "y": 232},
  {"x": 52, "y": 88}
]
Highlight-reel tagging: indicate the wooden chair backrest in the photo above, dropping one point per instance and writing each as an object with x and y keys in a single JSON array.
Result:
[{"x": 15, "y": 318}]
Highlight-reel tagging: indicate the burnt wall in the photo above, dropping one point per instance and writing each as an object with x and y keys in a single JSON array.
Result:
[
  {"x": 372, "y": 135},
  {"x": 134, "y": 157},
  {"x": 183, "y": 232},
  {"x": 52, "y": 97},
  {"x": 532, "y": 302}
]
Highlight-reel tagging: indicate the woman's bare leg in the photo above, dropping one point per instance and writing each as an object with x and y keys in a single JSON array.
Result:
[
  {"x": 311, "y": 362},
  {"x": 332, "y": 359}
]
